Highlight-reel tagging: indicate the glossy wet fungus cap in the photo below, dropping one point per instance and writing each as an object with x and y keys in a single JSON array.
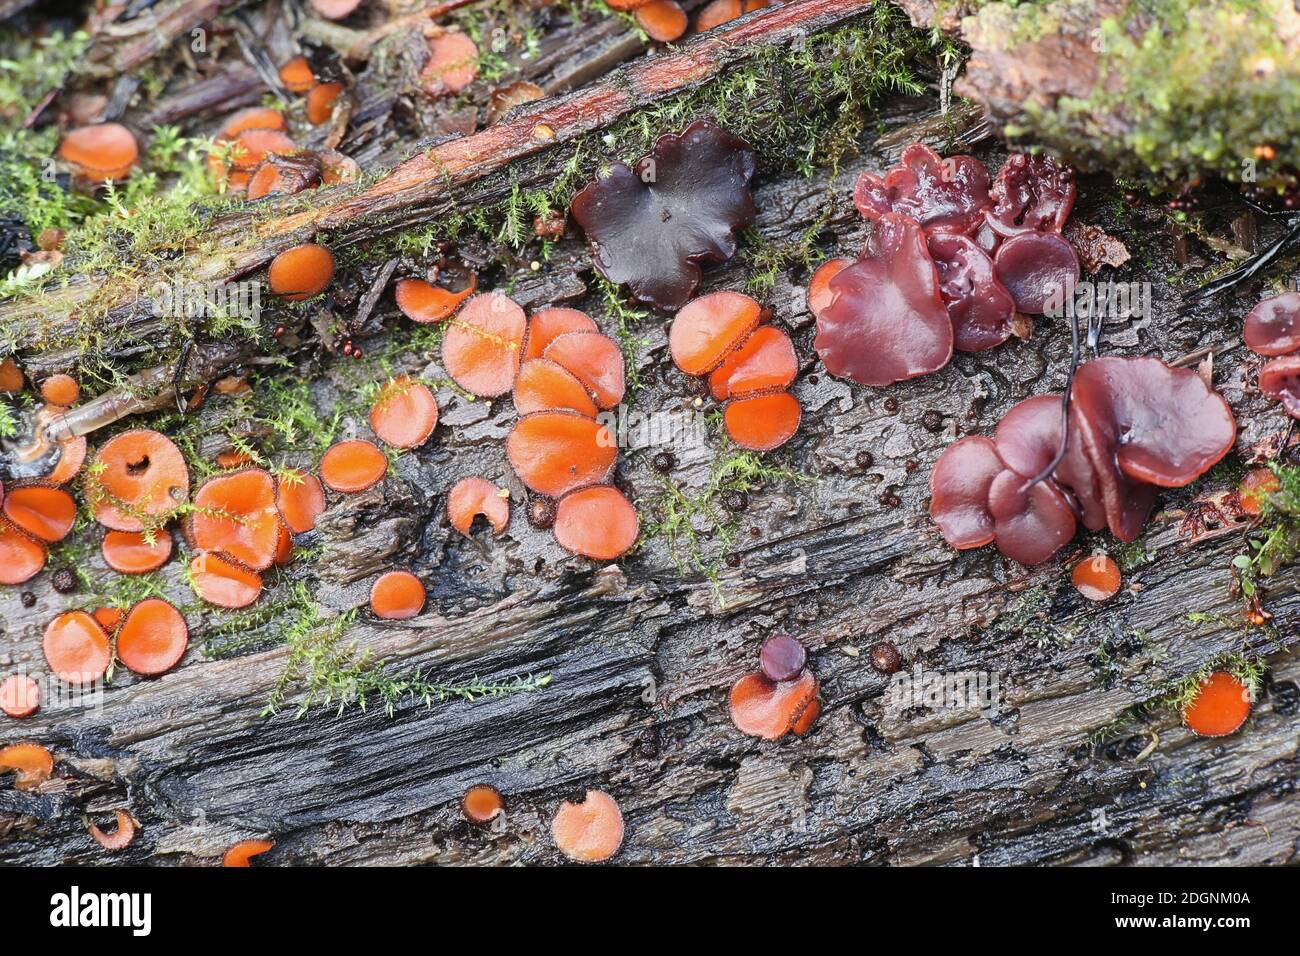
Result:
[
  {"x": 235, "y": 515},
  {"x": 21, "y": 555},
  {"x": 353, "y": 466},
  {"x": 301, "y": 272},
  {"x": 482, "y": 803},
  {"x": 1221, "y": 705},
  {"x": 543, "y": 385},
  {"x": 101, "y": 152},
  {"x": 76, "y": 648},
  {"x": 452, "y": 65},
  {"x": 474, "y": 496},
  {"x": 320, "y": 102},
  {"x": 762, "y": 422},
  {"x": 152, "y": 638},
  {"x": 31, "y": 764},
  {"x": 768, "y": 709},
  {"x": 941, "y": 195},
  {"x": 1136, "y": 424},
  {"x": 718, "y": 12},
  {"x": 764, "y": 361},
  {"x": 405, "y": 413},
  {"x": 242, "y": 853},
  {"x": 1272, "y": 327},
  {"x": 60, "y": 390},
  {"x": 556, "y": 452},
  {"x": 980, "y": 308},
  {"x": 296, "y": 75},
  {"x": 590, "y": 831},
  {"x": 426, "y": 303},
  {"x": 40, "y": 508},
  {"x": 782, "y": 657},
  {"x": 397, "y": 595},
  {"x": 224, "y": 582},
  {"x": 285, "y": 176},
  {"x": 547, "y": 325},
  {"x": 133, "y": 552},
  {"x": 1096, "y": 577},
  {"x": 119, "y": 839},
  {"x": 595, "y": 360},
  {"x": 300, "y": 500},
  {"x": 1037, "y": 268},
  {"x": 1279, "y": 380},
  {"x": 333, "y": 10},
  {"x": 137, "y": 476},
  {"x": 886, "y": 321},
  {"x": 710, "y": 328},
  {"x": 651, "y": 226},
  {"x": 1255, "y": 488},
  {"x": 663, "y": 20},
  {"x": 20, "y": 696},
  {"x": 596, "y": 522},
  {"x": 1032, "y": 193},
  {"x": 483, "y": 345}
]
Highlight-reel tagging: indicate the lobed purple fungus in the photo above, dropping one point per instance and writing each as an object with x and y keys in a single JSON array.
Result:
[
  {"x": 1036, "y": 268},
  {"x": 1135, "y": 424},
  {"x": 1279, "y": 379},
  {"x": 886, "y": 320},
  {"x": 650, "y": 226},
  {"x": 1030, "y": 194},
  {"x": 942, "y": 195},
  {"x": 981, "y": 309},
  {"x": 1273, "y": 326}
]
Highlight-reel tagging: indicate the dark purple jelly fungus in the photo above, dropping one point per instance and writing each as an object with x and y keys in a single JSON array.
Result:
[
  {"x": 649, "y": 227},
  {"x": 1031, "y": 194},
  {"x": 1037, "y": 268},
  {"x": 782, "y": 658},
  {"x": 1273, "y": 326},
  {"x": 981, "y": 310},
  {"x": 943, "y": 195}
]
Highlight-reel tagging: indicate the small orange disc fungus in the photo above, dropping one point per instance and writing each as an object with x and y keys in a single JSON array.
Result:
[
  {"x": 482, "y": 804},
  {"x": 137, "y": 475},
  {"x": 11, "y": 377},
  {"x": 320, "y": 102},
  {"x": 397, "y": 595},
  {"x": 625, "y": 6},
  {"x": 482, "y": 348},
  {"x": 32, "y": 764},
  {"x": 724, "y": 11},
  {"x": 243, "y": 852},
  {"x": 235, "y": 514},
  {"x": 252, "y": 146},
  {"x": 300, "y": 500},
  {"x": 1097, "y": 577},
  {"x": 806, "y": 720},
  {"x": 21, "y": 555},
  {"x": 256, "y": 117},
  {"x": 1255, "y": 488},
  {"x": 72, "y": 455},
  {"x": 108, "y": 618},
  {"x": 301, "y": 272},
  {"x": 590, "y": 831},
  {"x": 100, "y": 152},
  {"x": 42, "y": 509},
  {"x": 763, "y": 422},
  {"x": 763, "y": 362},
  {"x": 819, "y": 287},
  {"x": 452, "y": 65},
  {"x": 547, "y": 325},
  {"x": 765, "y": 709},
  {"x": 296, "y": 75},
  {"x": 60, "y": 390},
  {"x": 597, "y": 523},
  {"x": 76, "y": 648},
  {"x": 708, "y": 328},
  {"x": 405, "y": 414},
  {"x": 153, "y": 637},
  {"x": 352, "y": 466},
  {"x": 557, "y": 452},
  {"x": 119, "y": 839},
  {"x": 1221, "y": 706},
  {"x": 474, "y": 496},
  {"x": 223, "y": 582},
  {"x": 595, "y": 360},
  {"x": 662, "y": 20},
  {"x": 284, "y": 547},
  {"x": 543, "y": 386},
  {"x": 131, "y": 552},
  {"x": 426, "y": 303},
  {"x": 20, "y": 696}
]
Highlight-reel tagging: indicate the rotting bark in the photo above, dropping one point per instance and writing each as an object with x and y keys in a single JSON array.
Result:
[{"x": 642, "y": 656}]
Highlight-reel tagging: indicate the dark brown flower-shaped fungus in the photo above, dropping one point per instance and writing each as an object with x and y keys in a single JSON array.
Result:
[
  {"x": 943, "y": 195},
  {"x": 1279, "y": 379},
  {"x": 1037, "y": 268},
  {"x": 886, "y": 320},
  {"x": 981, "y": 310},
  {"x": 1031, "y": 194},
  {"x": 1273, "y": 326},
  {"x": 650, "y": 226}
]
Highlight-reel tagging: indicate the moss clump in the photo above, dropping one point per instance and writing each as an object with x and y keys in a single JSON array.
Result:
[
  {"x": 1275, "y": 544},
  {"x": 1183, "y": 87}
]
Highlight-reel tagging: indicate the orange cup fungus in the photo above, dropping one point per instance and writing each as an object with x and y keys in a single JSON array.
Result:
[
  {"x": 108, "y": 618},
  {"x": 452, "y": 64},
  {"x": 32, "y": 764},
  {"x": 547, "y": 325},
  {"x": 119, "y": 839},
  {"x": 778, "y": 698},
  {"x": 76, "y": 648},
  {"x": 543, "y": 385},
  {"x": 749, "y": 366},
  {"x": 483, "y": 345},
  {"x": 482, "y": 804},
  {"x": 405, "y": 414},
  {"x": 595, "y": 360},
  {"x": 353, "y": 466},
  {"x": 132, "y": 552},
  {"x": 101, "y": 152},
  {"x": 320, "y": 102},
  {"x": 663, "y": 20},
  {"x": 555, "y": 452},
  {"x": 235, "y": 515},
  {"x": 397, "y": 595},
  {"x": 1220, "y": 707},
  {"x": 21, "y": 555},
  {"x": 72, "y": 455},
  {"x": 724, "y": 11},
  {"x": 597, "y": 523},
  {"x": 20, "y": 696},
  {"x": 152, "y": 637},
  {"x": 300, "y": 500},
  {"x": 474, "y": 496},
  {"x": 296, "y": 75},
  {"x": 426, "y": 303},
  {"x": 242, "y": 853},
  {"x": 137, "y": 476},
  {"x": 301, "y": 272},
  {"x": 590, "y": 831},
  {"x": 1097, "y": 578},
  {"x": 224, "y": 582},
  {"x": 41, "y": 509},
  {"x": 60, "y": 390},
  {"x": 1255, "y": 488},
  {"x": 11, "y": 377}
]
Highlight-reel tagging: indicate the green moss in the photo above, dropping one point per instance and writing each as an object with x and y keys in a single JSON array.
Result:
[{"x": 1275, "y": 543}]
